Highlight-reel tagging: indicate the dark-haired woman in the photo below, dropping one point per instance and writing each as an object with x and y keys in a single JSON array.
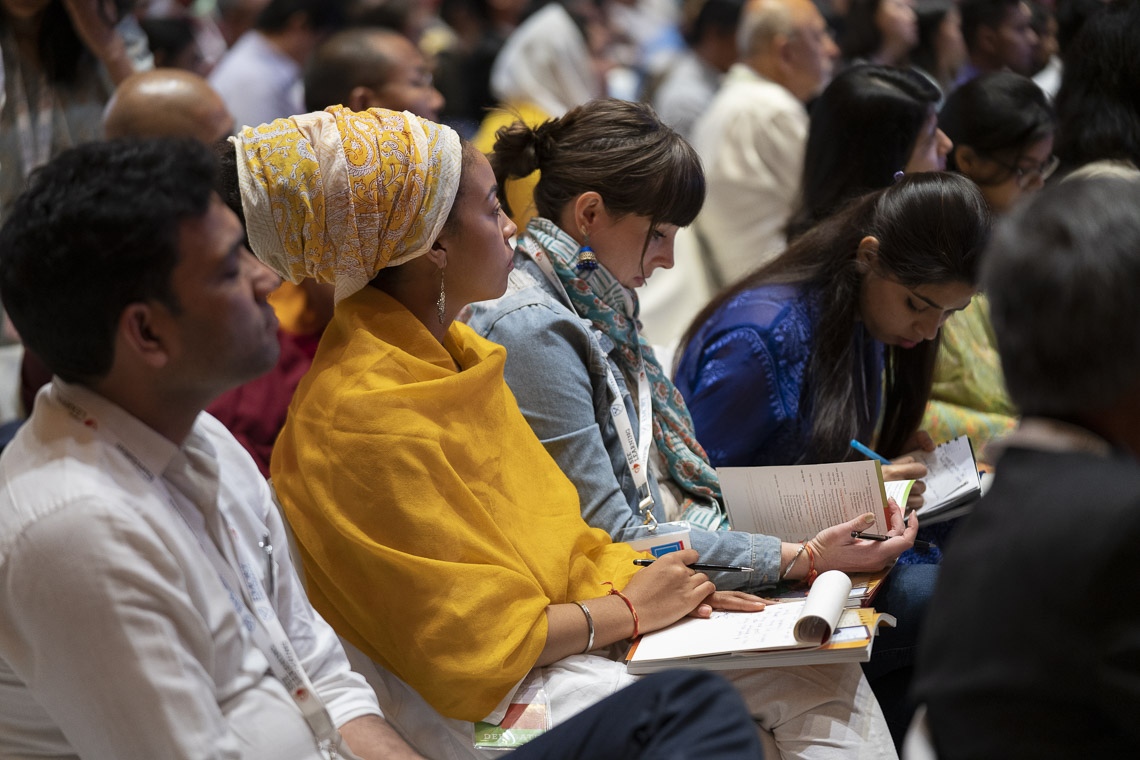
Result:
[
  {"x": 841, "y": 330},
  {"x": 61, "y": 61},
  {"x": 870, "y": 123},
  {"x": 1002, "y": 126}
]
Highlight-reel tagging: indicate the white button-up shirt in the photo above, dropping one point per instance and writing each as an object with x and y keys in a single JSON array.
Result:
[
  {"x": 117, "y": 637},
  {"x": 752, "y": 143}
]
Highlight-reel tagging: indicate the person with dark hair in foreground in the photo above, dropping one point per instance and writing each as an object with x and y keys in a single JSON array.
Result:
[
  {"x": 138, "y": 540},
  {"x": 1032, "y": 643}
]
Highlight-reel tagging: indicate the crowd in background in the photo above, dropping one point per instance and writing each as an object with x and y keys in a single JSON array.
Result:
[
  {"x": 811, "y": 183},
  {"x": 478, "y": 65}
]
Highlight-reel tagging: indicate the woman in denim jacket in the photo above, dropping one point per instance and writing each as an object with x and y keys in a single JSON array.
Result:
[{"x": 616, "y": 185}]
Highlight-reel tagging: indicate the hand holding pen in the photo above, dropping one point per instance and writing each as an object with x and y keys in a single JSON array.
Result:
[
  {"x": 835, "y": 548},
  {"x": 902, "y": 468}
]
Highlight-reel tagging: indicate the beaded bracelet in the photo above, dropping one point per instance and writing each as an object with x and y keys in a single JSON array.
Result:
[
  {"x": 812, "y": 574},
  {"x": 632, "y": 611},
  {"x": 589, "y": 625}
]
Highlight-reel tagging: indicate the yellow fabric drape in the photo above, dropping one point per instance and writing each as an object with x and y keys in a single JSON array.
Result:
[{"x": 433, "y": 526}]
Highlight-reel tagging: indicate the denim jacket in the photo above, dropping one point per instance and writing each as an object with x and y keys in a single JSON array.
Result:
[{"x": 556, "y": 368}]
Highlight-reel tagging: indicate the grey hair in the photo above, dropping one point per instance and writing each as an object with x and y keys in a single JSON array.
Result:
[
  {"x": 760, "y": 24},
  {"x": 1062, "y": 273}
]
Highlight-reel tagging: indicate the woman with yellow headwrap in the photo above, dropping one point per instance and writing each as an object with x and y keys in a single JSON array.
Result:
[{"x": 438, "y": 536}]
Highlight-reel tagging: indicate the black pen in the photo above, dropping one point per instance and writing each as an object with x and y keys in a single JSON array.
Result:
[
  {"x": 879, "y": 537},
  {"x": 701, "y": 566}
]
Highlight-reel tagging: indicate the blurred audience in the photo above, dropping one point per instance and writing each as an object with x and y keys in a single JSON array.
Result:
[
  {"x": 752, "y": 137},
  {"x": 260, "y": 76},
  {"x": 879, "y": 31},
  {"x": 998, "y": 36},
  {"x": 371, "y": 68},
  {"x": 687, "y": 87},
  {"x": 941, "y": 51}
]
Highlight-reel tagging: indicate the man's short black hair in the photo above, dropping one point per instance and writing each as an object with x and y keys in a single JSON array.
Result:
[
  {"x": 979, "y": 13},
  {"x": 98, "y": 229}
]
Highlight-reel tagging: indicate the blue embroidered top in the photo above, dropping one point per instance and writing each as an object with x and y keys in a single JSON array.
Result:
[{"x": 743, "y": 373}]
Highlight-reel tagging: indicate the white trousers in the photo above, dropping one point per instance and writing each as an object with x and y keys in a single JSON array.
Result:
[{"x": 821, "y": 712}]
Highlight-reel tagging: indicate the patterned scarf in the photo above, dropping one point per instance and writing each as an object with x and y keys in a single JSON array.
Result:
[
  {"x": 338, "y": 195},
  {"x": 612, "y": 308}
]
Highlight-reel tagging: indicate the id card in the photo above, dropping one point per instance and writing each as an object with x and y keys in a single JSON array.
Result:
[{"x": 668, "y": 537}]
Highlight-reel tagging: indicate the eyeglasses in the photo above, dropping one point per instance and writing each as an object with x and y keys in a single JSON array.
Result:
[{"x": 1025, "y": 175}]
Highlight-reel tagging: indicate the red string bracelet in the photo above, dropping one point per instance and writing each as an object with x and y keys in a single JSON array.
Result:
[
  {"x": 632, "y": 611},
  {"x": 812, "y": 574}
]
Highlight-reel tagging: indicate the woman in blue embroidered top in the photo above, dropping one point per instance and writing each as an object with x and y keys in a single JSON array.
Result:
[{"x": 837, "y": 337}]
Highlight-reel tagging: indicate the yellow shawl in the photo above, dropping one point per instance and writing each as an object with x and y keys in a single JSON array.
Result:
[{"x": 434, "y": 527}]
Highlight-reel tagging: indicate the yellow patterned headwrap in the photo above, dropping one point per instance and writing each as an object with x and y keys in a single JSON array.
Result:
[{"x": 339, "y": 195}]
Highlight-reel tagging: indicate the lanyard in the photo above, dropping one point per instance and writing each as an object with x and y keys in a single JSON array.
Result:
[
  {"x": 246, "y": 593},
  {"x": 635, "y": 447}
]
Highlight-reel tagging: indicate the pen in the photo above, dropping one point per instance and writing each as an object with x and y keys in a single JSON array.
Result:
[
  {"x": 868, "y": 452},
  {"x": 267, "y": 547},
  {"x": 701, "y": 566},
  {"x": 879, "y": 537}
]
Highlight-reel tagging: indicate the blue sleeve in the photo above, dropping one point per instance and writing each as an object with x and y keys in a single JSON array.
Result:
[{"x": 732, "y": 388}]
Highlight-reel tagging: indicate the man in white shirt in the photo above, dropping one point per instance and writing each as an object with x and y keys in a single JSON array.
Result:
[
  {"x": 752, "y": 138},
  {"x": 130, "y": 524},
  {"x": 148, "y": 604},
  {"x": 260, "y": 76}
]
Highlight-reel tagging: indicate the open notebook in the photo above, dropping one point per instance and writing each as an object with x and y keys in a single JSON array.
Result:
[
  {"x": 952, "y": 485},
  {"x": 818, "y": 630}
]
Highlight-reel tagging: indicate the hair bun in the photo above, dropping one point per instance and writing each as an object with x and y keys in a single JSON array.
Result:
[{"x": 519, "y": 150}]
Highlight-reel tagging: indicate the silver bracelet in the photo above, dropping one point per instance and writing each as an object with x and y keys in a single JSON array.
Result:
[
  {"x": 589, "y": 625},
  {"x": 788, "y": 569}
]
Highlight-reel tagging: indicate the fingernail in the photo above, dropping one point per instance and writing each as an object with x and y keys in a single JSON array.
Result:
[{"x": 868, "y": 518}]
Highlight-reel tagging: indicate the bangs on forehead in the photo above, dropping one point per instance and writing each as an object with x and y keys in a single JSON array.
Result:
[{"x": 675, "y": 195}]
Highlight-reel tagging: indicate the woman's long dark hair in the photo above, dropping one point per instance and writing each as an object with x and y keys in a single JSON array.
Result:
[
  {"x": 931, "y": 229},
  {"x": 863, "y": 130},
  {"x": 59, "y": 48}
]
